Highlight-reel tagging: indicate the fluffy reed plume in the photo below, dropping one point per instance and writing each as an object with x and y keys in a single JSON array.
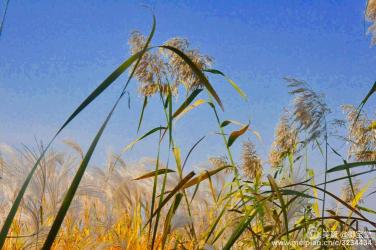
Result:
[
  {"x": 251, "y": 162},
  {"x": 361, "y": 135},
  {"x": 347, "y": 191},
  {"x": 309, "y": 109},
  {"x": 180, "y": 70},
  {"x": 371, "y": 16},
  {"x": 160, "y": 69},
  {"x": 218, "y": 162},
  {"x": 285, "y": 141},
  {"x": 152, "y": 70}
]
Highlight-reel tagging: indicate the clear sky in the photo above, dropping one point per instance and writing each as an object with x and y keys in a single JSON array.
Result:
[{"x": 54, "y": 53}]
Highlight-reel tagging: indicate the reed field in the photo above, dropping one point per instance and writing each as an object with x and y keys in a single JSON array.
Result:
[{"x": 55, "y": 199}]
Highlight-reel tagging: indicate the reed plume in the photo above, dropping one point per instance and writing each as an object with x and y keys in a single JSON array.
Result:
[
  {"x": 251, "y": 162},
  {"x": 371, "y": 16},
  {"x": 285, "y": 141},
  {"x": 162, "y": 69},
  {"x": 348, "y": 192},
  {"x": 309, "y": 110},
  {"x": 361, "y": 135}
]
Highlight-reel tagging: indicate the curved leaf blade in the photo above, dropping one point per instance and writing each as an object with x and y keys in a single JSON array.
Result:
[
  {"x": 234, "y": 135},
  {"x": 154, "y": 173},
  {"x": 233, "y": 84}
]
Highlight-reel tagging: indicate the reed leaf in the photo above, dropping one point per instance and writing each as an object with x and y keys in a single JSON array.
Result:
[
  {"x": 150, "y": 132},
  {"x": 142, "y": 112},
  {"x": 242, "y": 226},
  {"x": 233, "y": 84},
  {"x": 235, "y": 134},
  {"x": 171, "y": 194},
  {"x": 187, "y": 102},
  {"x": 204, "y": 176},
  {"x": 276, "y": 189},
  {"x": 350, "y": 165},
  {"x": 156, "y": 172},
  {"x": 170, "y": 215}
]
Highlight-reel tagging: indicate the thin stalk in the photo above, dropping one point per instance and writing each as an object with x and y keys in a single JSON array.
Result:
[
  {"x": 325, "y": 180},
  {"x": 155, "y": 183},
  {"x": 167, "y": 116}
]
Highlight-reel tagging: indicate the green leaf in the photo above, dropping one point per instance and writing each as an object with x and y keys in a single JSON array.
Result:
[
  {"x": 242, "y": 226},
  {"x": 275, "y": 189},
  {"x": 170, "y": 115},
  {"x": 346, "y": 177},
  {"x": 364, "y": 101},
  {"x": 225, "y": 123},
  {"x": 4, "y": 15},
  {"x": 191, "y": 150},
  {"x": 142, "y": 113},
  {"x": 170, "y": 215},
  {"x": 190, "y": 107},
  {"x": 234, "y": 135},
  {"x": 171, "y": 194},
  {"x": 366, "y": 209},
  {"x": 154, "y": 173},
  {"x": 297, "y": 193},
  {"x": 233, "y": 84},
  {"x": 351, "y": 165},
  {"x": 152, "y": 131},
  {"x": 212, "y": 228},
  {"x": 187, "y": 102},
  {"x": 204, "y": 176}
]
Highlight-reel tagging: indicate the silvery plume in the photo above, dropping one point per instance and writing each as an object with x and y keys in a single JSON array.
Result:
[
  {"x": 309, "y": 110},
  {"x": 361, "y": 135}
]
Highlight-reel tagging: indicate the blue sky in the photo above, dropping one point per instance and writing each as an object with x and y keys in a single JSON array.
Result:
[{"x": 54, "y": 53}]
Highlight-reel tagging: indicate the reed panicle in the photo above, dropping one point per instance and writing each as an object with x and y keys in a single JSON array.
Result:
[
  {"x": 162, "y": 68},
  {"x": 371, "y": 16},
  {"x": 348, "y": 192},
  {"x": 251, "y": 162},
  {"x": 309, "y": 110},
  {"x": 285, "y": 141},
  {"x": 361, "y": 135}
]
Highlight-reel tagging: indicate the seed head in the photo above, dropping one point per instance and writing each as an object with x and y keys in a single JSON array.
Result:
[
  {"x": 251, "y": 162},
  {"x": 284, "y": 142},
  {"x": 361, "y": 135},
  {"x": 309, "y": 110}
]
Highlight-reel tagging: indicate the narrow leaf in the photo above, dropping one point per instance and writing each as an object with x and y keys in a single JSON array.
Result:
[
  {"x": 351, "y": 165},
  {"x": 142, "y": 112},
  {"x": 275, "y": 188},
  {"x": 177, "y": 188},
  {"x": 154, "y": 173},
  {"x": 204, "y": 176},
  {"x": 234, "y": 135},
  {"x": 190, "y": 107},
  {"x": 152, "y": 131},
  {"x": 170, "y": 215},
  {"x": 242, "y": 226},
  {"x": 233, "y": 84},
  {"x": 187, "y": 102}
]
